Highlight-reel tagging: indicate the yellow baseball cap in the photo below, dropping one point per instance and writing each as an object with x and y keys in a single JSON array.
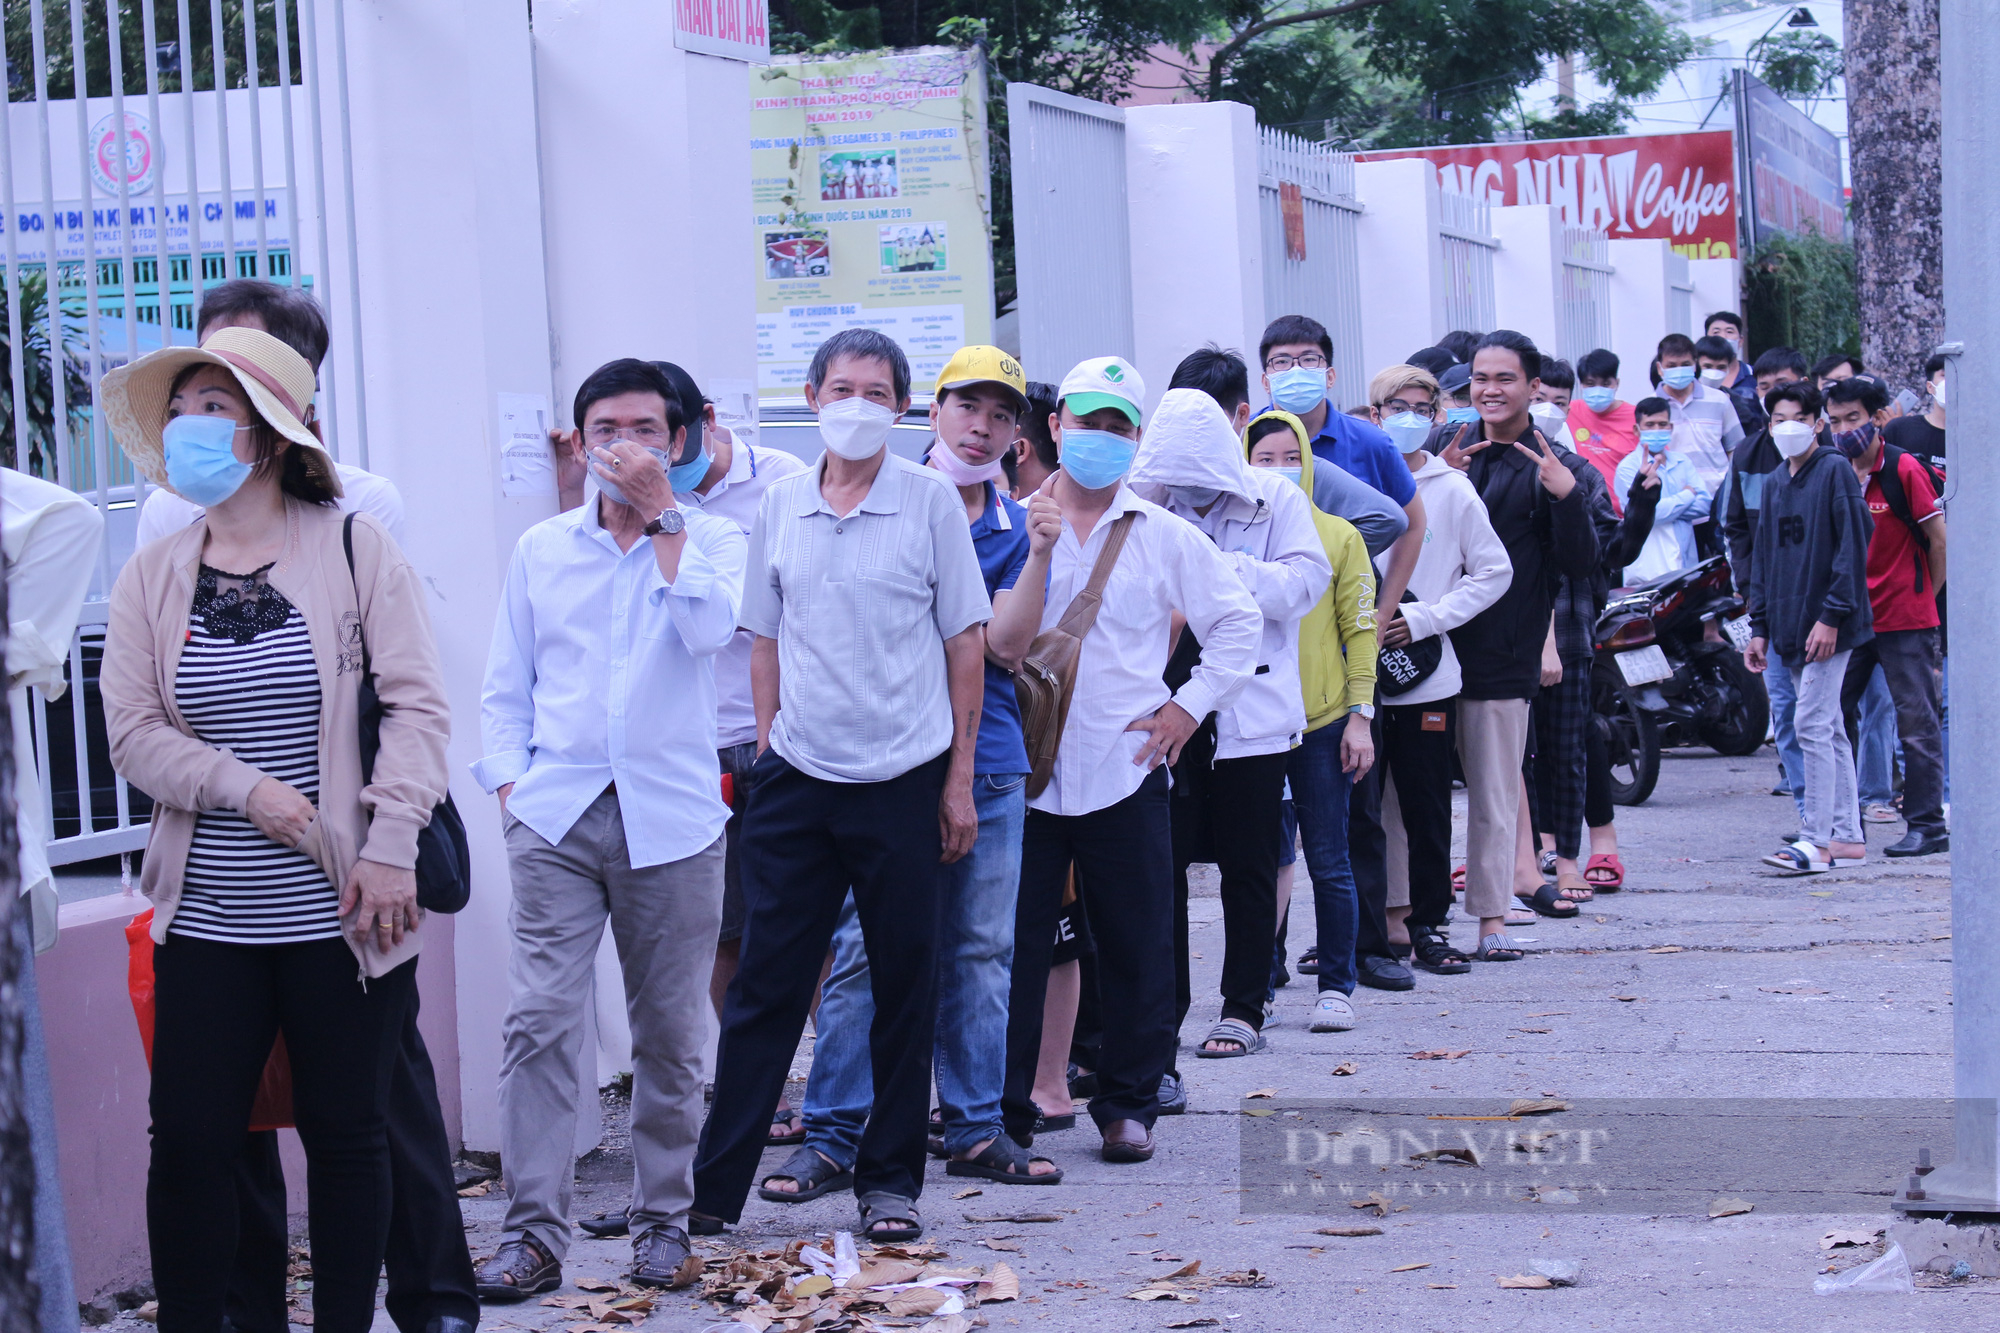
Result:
[{"x": 984, "y": 365}]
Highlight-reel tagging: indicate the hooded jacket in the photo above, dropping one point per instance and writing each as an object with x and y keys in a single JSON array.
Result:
[
  {"x": 1683, "y": 501},
  {"x": 1337, "y": 643},
  {"x": 1810, "y": 563},
  {"x": 1263, "y": 526},
  {"x": 1461, "y": 570}
]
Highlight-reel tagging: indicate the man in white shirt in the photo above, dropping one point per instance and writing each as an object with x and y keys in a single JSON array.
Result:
[
  {"x": 869, "y": 608},
  {"x": 1229, "y": 785},
  {"x": 598, "y": 724},
  {"x": 1104, "y": 809},
  {"x": 294, "y": 318}
]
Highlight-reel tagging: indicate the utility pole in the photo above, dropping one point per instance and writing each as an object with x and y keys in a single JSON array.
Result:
[
  {"x": 1970, "y": 67},
  {"x": 20, "y": 1296}
]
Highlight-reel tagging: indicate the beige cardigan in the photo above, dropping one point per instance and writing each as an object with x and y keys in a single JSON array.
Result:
[{"x": 153, "y": 748}]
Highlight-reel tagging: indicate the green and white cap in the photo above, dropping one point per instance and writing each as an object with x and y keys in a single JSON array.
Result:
[{"x": 1104, "y": 381}]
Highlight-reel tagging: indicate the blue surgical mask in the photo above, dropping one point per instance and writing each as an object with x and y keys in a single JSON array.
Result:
[
  {"x": 1461, "y": 416},
  {"x": 1599, "y": 399},
  {"x": 684, "y": 477},
  {"x": 1096, "y": 459},
  {"x": 1298, "y": 390},
  {"x": 201, "y": 459},
  {"x": 609, "y": 487},
  {"x": 1677, "y": 377},
  {"x": 1408, "y": 430},
  {"x": 1656, "y": 441},
  {"x": 1295, "y": 475}
]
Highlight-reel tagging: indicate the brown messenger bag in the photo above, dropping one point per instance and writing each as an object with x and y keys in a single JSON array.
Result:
[{"x": 1046, "y": 677}]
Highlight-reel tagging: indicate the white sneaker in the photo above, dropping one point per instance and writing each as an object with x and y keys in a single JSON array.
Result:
[{"x": 1333, "y": 1013}]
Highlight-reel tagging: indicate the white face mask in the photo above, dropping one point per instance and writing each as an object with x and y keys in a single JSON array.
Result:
[
  {"x": 1196, "y": 497},
  {"x": 1937, "y": 393},
  {"x": 855, "y": 428},
  {"x": 1792, "y": 437},
  {"x": 1713, "y": 376}
]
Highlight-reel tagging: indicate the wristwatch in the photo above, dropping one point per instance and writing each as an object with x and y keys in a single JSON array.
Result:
[
  {"x": 670, "y": 521},
  {"x": 1366, "y": 710}
]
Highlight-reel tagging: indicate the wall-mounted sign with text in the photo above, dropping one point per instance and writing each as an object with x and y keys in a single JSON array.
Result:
[{"x": 735, "y": 29}]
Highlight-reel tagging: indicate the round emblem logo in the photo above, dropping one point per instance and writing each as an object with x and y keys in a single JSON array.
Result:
[{"x": 142, "y": 155}]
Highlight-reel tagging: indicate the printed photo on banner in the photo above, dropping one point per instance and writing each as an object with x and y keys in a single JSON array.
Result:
[
  {"x": 858, "y": 175},
  {"x": 796, "y": 254},
  {"x": 914, "y": 247}
]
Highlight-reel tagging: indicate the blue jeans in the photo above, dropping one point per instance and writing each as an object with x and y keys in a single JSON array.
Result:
[
  {"x": 975, "y": 968},
  {"x": 1783, "y": 691},
  {"x": 1875, "y": 761},
  {"x": 1319, "y": 797}
]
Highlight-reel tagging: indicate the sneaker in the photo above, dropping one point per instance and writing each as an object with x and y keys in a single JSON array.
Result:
[
  {"x": 1881, "y": 814},
  {"x": 1383, "y": 973},
  {"x": 1333, "y": 1013},
  {"x": 1173, "y": 1095}
]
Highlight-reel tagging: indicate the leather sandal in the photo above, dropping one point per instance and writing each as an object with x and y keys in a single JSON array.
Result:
[
  {"x": 813, "y": 1173},
  {"x": 882, "y": 1206},
  {"x": 518, "y": 1269},
  {"x": 1005, "y": 1161}
]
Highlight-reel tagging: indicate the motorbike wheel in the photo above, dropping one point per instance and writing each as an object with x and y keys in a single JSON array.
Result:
[
  {"x": 1632, "y": 745},
  {"x": 1746, "y": 709}
]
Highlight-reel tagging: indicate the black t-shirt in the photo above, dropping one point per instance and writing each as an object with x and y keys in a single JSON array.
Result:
[{"x": 1916, "y": 435}]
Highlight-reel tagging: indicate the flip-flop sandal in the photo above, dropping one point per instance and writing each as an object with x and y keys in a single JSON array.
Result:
[
  {"x": 1458, "y": 880},
  {"x": 1564, "y": 890},
  {"x": 1308, "y": 964},
  {"x": 791, "y": 1136},
  {"x": 1005, "y": 1161},
  {"x": 1797, "y": 859},
  {"x": 882, "y": 1206},
  {"x": 814, "y": 1174},
  {"x": 1049, "y": 1124},
  {"x": 1546, "y": 862},
  {"x": 1248, "y": 1040},
  {"x": 1547, "y": 902},
  {"x": 1609, "y": 863},
  {"x": 1514, "y": 916},
  {"x": 1497, "y": 949}
]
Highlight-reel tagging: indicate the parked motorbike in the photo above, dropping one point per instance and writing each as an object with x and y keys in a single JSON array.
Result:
[{"x": 1659, "y": 679}]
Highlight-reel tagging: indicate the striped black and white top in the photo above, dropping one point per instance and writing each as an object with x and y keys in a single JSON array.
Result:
[{"x": 247, "y": 681}]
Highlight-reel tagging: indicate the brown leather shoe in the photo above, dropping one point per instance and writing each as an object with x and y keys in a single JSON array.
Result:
[
  {"x": 1127, "y": 1141},
  {"x": 660, "y": 1259},
  {"x": 520, "y": 1268}
]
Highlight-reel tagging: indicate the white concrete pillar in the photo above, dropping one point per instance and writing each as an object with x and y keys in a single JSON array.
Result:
[
  {"x": 1718, "y": 285},
  {"x": 1402, "y": 260},
  {"x": 1197, "y": 242},
  {"x": 645, "y": 170},
  {"x": 1527, "y": 272},
  {"x": 1638, "y": 311},
  {"x": 448, "y": 222}
]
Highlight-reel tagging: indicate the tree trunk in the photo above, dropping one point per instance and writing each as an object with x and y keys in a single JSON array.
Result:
[
  {"x": 20, "y": 1298},
  {"x": 1893, "y": 126}
]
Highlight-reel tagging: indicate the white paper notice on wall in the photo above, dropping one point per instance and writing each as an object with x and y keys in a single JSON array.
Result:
[
  {"x": 736, "y": 407},
  {"x": 527, "y": 467}
]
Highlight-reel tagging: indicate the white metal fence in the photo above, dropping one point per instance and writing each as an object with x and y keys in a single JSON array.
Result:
[
  {"x": 1680, "y": 295},
  {"x": 169, "y": 152},
  {"x": 1320, "y": 274},
  {"x": 1583, "y": 298},
  {"x": 1072, "y": 231},
  {"x": 1467, "y": 228}
]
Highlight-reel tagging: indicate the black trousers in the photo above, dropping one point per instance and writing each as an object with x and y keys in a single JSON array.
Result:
[
  {"x": 806, "y": 841},
  {"x": 1598, "y": 810},
  {"x": 1243, "y": 810},
  {"x": 1909, "y": 659},
  {"x": 1368, "y": 851},
  {"x": 1418, "y": 745},
  {"x": 220, "y": 1006},
  {"x": 1124, "y": 869},
  {"x": 1557, "y": 769},
  {"x": 430, "y": 1269}
]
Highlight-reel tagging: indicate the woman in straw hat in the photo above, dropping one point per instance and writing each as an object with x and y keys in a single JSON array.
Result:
[{"x": 284, "y": 896}]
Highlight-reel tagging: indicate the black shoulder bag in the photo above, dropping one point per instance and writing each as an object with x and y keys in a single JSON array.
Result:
[{"x": 444, "y": 861}]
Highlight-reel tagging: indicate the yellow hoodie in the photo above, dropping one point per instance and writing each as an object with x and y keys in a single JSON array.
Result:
[{"x": 1337, "y": 646}]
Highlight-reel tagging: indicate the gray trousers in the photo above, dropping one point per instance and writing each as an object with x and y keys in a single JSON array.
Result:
[
  {"x": 1833, "y": 813},
  {"x": 664, "y": 921}
]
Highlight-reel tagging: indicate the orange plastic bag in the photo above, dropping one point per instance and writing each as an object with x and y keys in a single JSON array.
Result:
[{"x": 272, "y": 1108}]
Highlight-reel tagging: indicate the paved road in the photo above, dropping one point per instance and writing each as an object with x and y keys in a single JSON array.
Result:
[{"x": 1822, "y": 988}]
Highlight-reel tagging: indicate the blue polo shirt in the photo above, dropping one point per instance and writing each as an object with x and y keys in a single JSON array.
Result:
[
  {"x": 1365, "y": 449},
  {"x": 1000, "y": 540}
]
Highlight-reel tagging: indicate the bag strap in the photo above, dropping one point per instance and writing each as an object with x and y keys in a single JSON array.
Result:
[
  {"x": 1890, "y": 475},
  {"x": 1081, "y": 614},
  {"x": 347, "y": 543}
]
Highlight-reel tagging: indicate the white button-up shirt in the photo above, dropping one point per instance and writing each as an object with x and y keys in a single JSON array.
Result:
[
  {"x": 1166, "y": 565},
  {"x": 601, "y": 672},
  {"x": 861, "y": 604},
  {"x": 736, "y": 497}
]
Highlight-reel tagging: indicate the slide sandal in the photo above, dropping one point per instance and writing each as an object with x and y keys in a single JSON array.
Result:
[
  {"x": 1548, "y": 902},
  {"x": 1606, "y": 863}
]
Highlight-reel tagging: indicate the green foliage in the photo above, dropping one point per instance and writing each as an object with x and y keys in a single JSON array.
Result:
[
  {"x": 200, "y": 49},
  {"x": 1610, "y": 116},
  {"x": 1315, "y": 81},
  {"x": 40, "y": 433},
  {"x": 1797, "y": 64},
  {"x": 1800, "y": 292}
]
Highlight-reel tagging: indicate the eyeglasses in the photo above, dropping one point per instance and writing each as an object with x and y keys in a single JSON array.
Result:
[
  {"x": 1310, "y": 361},
  {"x": 648, "y": 437},
  {"x": 1396, "y": 406}
]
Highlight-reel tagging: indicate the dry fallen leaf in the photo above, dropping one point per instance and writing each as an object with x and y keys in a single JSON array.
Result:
[
  {"x": 1000, "y": 1243},
  {"x": 478, "y": 1191},
  {"x": 1161, "y": 1294},
  {"x": 1261, "y": 1092},
  {"x": 1729, "y": 1207},
  {"x": 1439, "y": 1054},
  {"x": 950, "y": 1323},
  {"x": 594, "y": 1284},
  {"x": 1188, "y": 1269},
  {"x": 1410, "y": 1268},
  {"x": 1465, "y": 1155},
  {"x": 1377, "y": 1200},
  {"x": 1536, "y": 1106},
  {"x": 1344, "y": 1068},
  {"x": 811, "y": 1286},
  {"x": 916, "y": 1301},
  {"x": 1666, "y": 948},
  {"x": 1833, "y": 1240},
  {"x": 1527, "y": 1281},
  {"x": 1348, "y": 1231},
  {"x": 1000, "y": 1285},
  {"x": 967, "y": 1194}
]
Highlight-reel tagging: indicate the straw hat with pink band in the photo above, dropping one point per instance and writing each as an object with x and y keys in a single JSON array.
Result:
[{"x": 277, "y": 380}]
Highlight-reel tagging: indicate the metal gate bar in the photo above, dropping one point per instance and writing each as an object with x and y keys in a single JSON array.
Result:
[
  {"x": 1326, "y": 284},
  {"x": 1583, "y": 300},
  {"x": 1469, "y": 243}
]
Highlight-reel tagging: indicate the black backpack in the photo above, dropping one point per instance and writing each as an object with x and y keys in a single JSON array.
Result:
[{"x": 444, "y": 859}]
